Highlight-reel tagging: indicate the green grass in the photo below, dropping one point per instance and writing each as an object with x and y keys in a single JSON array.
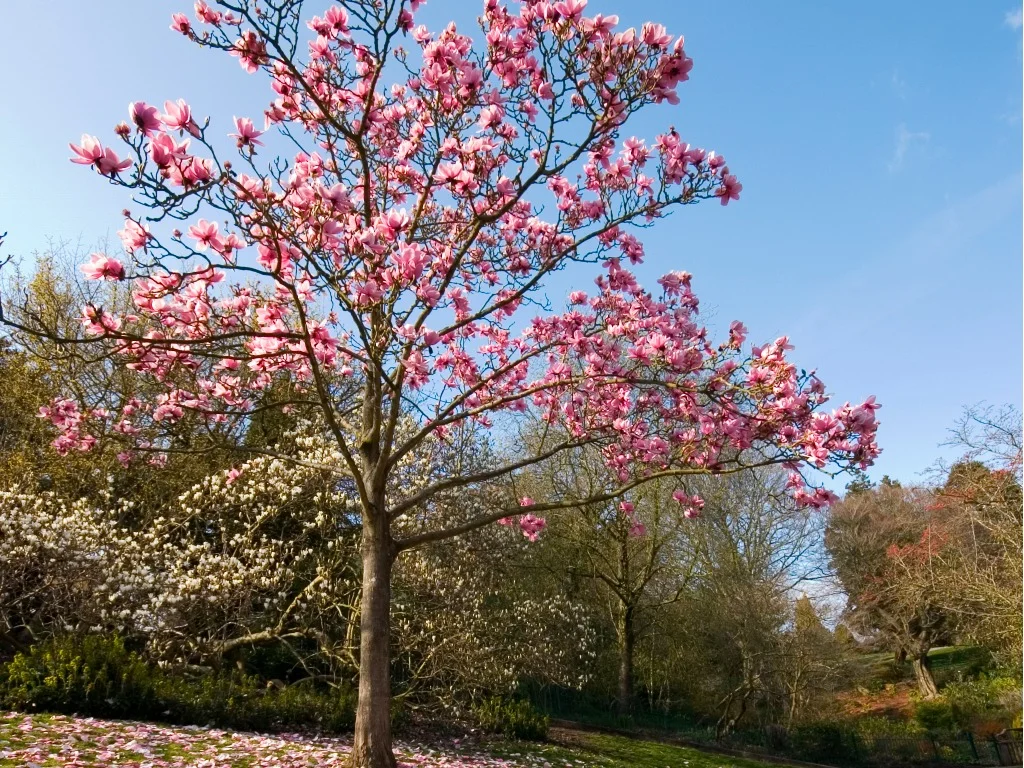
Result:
[
  {"x": 609, "y": 751},
  {"x": 946, "y": 662}
]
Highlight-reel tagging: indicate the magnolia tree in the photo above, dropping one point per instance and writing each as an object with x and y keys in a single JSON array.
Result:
[
  {"x": 265, "y": 553},
  {"x": 260, "y": 553},
  {"x": 471, "y": 622},
  {"x": 435, "y": 186}
]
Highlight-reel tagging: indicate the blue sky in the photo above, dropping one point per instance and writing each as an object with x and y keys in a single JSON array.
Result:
[{"x": 879, "y": 145}]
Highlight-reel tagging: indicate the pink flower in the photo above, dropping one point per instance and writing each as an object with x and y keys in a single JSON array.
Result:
[
  {"x": 337, "y": 17},
  {"x": 250, "y": 50},
  {"x": 206, "y": 235},
  {"x": 571, "y": 9},
  {"x": 531, "y": 526},
  {"x": 145, "y": 117},
  {"x": 737, "y": 333},
  {"x": 694, "y": 504},
  {"x": 134, "y": 236},
  {"x": 600, "y": 25},
  {"x": 526, "y": 501},
  {"x": 91, "y": 152},
  {"x": 730, "y": 189},
  {"x": 103, "y": 267},
  {"x": 529, "y": 109},
  {"x": 247, "y": 134},
  {"x": 178, "y": 116},
  {"x": 164, "y": 150},
  {"x": 368, "y": 293},
  {"x": 110, "y": 163},
  {"x": 655, "y": 35},
  {"x": 180, "y": 23},
  {"x": 206, "y": 14}
]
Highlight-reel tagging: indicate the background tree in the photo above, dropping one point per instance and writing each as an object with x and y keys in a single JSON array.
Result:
[
  {"x": 403, "y": 248},
  {"x": 975, "y": 563},
  {"x": 634, "y": 549},
  {"x": 35, "y": 370},
  {"x": 754, "y": 547},
  {"x": 472, "y": 622},
  {"x": 814, "y": 665},
  {"x": 865, "y": 536}
]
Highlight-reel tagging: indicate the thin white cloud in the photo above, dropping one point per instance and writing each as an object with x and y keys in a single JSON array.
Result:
[
  {"x": 1014, "y": 19},
  {"x": 899, "y": 85},
  {"x": 905, "y": 140}
]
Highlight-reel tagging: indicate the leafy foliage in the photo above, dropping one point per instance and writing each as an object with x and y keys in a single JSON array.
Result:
[
  {"x": 821, "y": 741},
  {"x": 934, "y": 714},
  {"x": 982, "y": 698},
  {"x": 516, "y": 718},
  {"x": 99, "y": 676}
]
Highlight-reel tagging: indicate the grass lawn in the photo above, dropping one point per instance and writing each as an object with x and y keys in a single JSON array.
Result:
[
  {"x": 57, "y": 741},
  {"x": 599, "y": 749},
  {"x": 948, "y": 659}
]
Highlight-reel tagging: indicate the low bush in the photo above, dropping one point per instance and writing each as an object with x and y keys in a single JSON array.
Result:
[
  {"x": 982, "y": 699},
  {"x": 94, "y": 675},
  {"x": 934, "y": 715},
  {"x": 823, "y": 742},
  {"x": 885, "y": 727},
  {"x": 99, "y": 676},
  {"x": 515, "y": 718}
]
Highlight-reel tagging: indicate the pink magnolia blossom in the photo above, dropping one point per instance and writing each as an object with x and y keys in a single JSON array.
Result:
[
  {"x": 531, "y": 526},
  {"x": 180, "y": 23},
  {"x": 250, "y": 50},
  {"x": 178, "y": 116},
  {"x": 103, "y": 267},
  {"x": 730, "y": 189},
  {"x": 737, "y": 334},
  {"x": 91, "y": 152},
  {"x": 247, "y": 134},
  {"x": 134, "y": 236},
  {"x": 145, "y": 117},
  {"x": 206, "y": 14},
  {"x": 205, "y": 234},
  {"x": 165, "y": 151}
]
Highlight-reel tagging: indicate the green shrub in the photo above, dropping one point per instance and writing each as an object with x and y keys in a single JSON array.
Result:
[
  {"x": 934, "y": 714},
  {"x": 94, "y": 675},
  {"x": 972, "y": 700},
  {"x": 242, "y": 703},
  {"x": 515, "y": 718},
  {"x": 885, "y": 727},
  {"x": 98, "y": 676},
  {"x": 823, "y": 742}
]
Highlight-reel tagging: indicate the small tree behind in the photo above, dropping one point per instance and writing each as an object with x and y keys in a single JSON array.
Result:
[{"x": 868, "y": 533}]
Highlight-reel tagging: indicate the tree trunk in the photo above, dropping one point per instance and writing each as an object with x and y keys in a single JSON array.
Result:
[
  {"x": 923, "y": 672},
  {"x": 372, "y": 745},
  {"x": 626, "y": 643}
]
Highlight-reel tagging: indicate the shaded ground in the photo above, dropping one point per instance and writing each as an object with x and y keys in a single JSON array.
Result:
[{"x": 57, "y": 741}]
